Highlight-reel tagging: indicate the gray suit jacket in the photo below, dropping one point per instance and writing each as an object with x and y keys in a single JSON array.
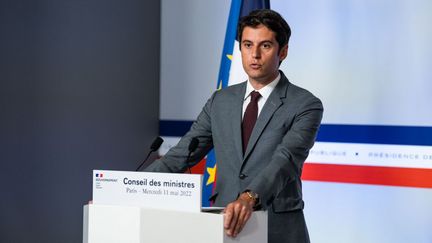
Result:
[{"x": 272, "y": 164}]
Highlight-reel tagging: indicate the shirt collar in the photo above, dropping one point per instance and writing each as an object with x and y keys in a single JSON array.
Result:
[{"x": 264, "y": 91}]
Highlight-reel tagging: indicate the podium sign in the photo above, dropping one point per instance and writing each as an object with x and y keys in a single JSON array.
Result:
[{"x": 179, "y": 192}]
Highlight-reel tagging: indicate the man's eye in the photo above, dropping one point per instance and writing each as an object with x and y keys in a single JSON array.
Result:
[
  {"x": 266, "y": 46},
  {"x": 247, "y": 45}
]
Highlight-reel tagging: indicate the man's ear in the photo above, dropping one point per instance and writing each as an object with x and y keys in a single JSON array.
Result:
[{"x": 283, "y": 53}]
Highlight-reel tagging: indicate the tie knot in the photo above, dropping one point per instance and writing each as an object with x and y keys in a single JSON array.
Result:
[{"x": 255, "y": 96}]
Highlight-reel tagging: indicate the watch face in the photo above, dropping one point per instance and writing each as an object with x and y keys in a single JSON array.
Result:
[{"x": 252, "y": 195}]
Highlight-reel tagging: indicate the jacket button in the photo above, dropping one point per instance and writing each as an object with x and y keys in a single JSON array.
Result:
[{"x": 242, "y": 176}]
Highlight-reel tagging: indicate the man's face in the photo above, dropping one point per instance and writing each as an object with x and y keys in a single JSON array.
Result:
[{"x": 260, "y": 54}]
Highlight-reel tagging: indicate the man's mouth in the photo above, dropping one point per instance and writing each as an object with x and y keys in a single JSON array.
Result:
[{"x": 255, "y": 66}]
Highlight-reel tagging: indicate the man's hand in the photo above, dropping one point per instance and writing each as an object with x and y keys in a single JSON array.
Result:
[{"x": 237, "y": 214}]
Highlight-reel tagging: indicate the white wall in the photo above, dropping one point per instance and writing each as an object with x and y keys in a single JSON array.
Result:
[{"x": 192, "y": 40}]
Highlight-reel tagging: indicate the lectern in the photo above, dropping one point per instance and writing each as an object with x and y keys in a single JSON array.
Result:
[
  {"x": 130, "y": 224},
  {"x": 126, "y": 222}
]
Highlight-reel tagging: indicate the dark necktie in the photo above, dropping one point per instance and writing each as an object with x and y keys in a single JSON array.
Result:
[{"x": 249, "y": 118}]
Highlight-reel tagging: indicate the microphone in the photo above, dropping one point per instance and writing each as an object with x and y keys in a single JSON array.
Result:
[
  {"x": 156, "y": 144},
  {"x": 193, "y": 145},
  {"x": 154, "y": 147}
]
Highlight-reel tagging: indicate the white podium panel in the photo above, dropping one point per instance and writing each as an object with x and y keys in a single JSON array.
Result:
[{"x": 128, "y": 224}]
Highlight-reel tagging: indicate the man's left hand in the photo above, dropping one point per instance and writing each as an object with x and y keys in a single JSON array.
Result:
[{"x": 237, "y": 214}]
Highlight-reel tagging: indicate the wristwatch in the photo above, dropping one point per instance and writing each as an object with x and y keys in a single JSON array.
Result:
[{"x": 253, "y": 195}]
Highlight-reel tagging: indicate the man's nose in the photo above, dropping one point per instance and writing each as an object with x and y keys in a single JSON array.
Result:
[{"x": 256, "y": 53}]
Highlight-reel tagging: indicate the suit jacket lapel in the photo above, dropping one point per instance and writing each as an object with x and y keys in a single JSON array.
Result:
[
  {"x": 236, "y": 120},
  {"x": 271, "y": 105}
]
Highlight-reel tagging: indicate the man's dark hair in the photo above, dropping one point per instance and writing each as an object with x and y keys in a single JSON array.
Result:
[{"x": 270, "y": 19}]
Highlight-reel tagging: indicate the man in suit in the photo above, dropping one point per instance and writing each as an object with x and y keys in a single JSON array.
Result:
[{"x": 261, "y": 130}]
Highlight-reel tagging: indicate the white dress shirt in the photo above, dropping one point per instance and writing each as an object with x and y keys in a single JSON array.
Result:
[{"x": 264, "y": 92}]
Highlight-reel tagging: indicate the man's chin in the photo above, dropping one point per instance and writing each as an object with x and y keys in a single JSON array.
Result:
[{"x": 255, "y": 75}]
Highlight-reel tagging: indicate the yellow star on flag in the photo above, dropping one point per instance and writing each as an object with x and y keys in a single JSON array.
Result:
[
  {"x": 220, "y": 85},
  {"x": 212, "y": 175}
]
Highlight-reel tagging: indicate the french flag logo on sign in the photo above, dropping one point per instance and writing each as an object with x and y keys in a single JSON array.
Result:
[{"x": 99, "y": 175}]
